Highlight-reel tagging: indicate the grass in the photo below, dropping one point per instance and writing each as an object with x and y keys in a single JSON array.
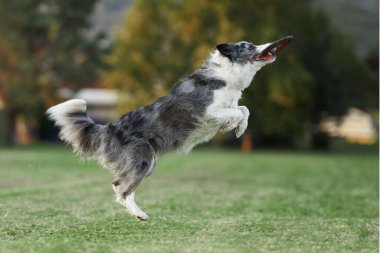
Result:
[{"x": 208, "y": 201}]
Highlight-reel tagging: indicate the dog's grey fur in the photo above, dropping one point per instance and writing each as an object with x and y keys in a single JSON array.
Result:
[{"x": 198, "y": 106}]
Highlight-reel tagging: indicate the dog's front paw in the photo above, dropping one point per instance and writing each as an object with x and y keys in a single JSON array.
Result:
[
  {"x": 226, "y": 128},
  {"x": 231, "y": 122},
  {"x": 242, "y": 126},
  {"x": 240, "y": 129}
]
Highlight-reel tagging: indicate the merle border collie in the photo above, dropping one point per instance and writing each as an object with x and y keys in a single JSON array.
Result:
[{"x": 199, "y": 105}]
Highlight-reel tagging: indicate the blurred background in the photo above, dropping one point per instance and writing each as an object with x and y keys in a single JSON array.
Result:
[{"x": 119, "y": 54}]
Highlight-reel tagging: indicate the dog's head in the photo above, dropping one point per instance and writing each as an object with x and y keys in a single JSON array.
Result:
[{"x": 245, "y": 52}]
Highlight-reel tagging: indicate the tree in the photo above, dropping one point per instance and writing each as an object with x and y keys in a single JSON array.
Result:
[
  {"x": 319, "y": 76},
  {"x": 43, "y": 47},
  {"x": 371, "y": 91},
  {"x": 162, "y": 40}
]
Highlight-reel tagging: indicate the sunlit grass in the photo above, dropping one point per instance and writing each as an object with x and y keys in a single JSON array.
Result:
[{"x": 208, "y": 201}]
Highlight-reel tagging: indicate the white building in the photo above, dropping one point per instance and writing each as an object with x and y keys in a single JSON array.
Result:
[
  {"x": 356, "y": 126},
  {"x": 101, "y": 103}
]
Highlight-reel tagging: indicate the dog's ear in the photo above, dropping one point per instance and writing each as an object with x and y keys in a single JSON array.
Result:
[{"x": 226, "y": 49}]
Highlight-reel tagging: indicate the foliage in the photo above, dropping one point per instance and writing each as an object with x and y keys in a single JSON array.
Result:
[
  {"x": 371, "y": 91},
  {"x": 43, "y": 47},
  {"x": 162, "y": 40}
]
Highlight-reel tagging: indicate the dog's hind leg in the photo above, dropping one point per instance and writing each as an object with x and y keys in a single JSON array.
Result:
[
  {"x": 125, "y": 194},
  {"x": 141, "y": 164},
  {"x": 133, "y": 208}
]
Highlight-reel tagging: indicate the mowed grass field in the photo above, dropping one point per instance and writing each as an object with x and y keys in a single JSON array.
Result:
[{"x": 208, "y": 201}]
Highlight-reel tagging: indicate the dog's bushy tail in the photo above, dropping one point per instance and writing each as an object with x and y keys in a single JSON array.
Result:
[{"x": 76, "y": 128}]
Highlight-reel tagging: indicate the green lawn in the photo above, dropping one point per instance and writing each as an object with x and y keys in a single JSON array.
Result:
[{"x": 208, "y": 201}]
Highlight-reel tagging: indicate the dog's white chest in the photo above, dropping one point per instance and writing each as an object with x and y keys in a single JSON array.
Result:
[{"x": 225, "y": 98}]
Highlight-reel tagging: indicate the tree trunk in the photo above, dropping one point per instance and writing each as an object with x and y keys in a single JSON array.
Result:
[
  {"x": 320, "y": 140},
  {"x": 10, "y": 117}
]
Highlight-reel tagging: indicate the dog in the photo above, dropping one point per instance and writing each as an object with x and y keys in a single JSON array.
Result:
[{"x": 199, "y": 105}]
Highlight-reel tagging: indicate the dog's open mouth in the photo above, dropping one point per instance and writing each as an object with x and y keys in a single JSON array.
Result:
[{"x": 269, "y": 53}]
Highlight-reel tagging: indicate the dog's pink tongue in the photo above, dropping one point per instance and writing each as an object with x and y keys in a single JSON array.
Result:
[{"x": 267, "y": 56}]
